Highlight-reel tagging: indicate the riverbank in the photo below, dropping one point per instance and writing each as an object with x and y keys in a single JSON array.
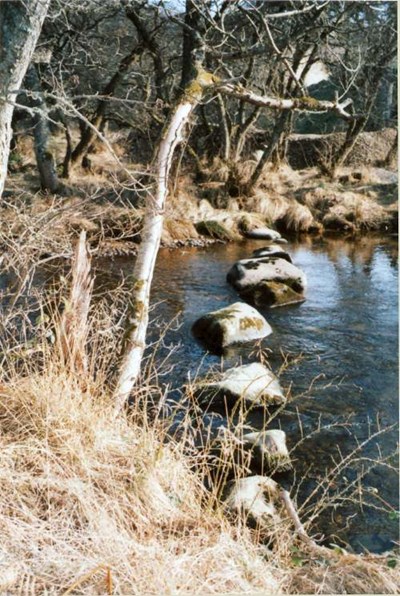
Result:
[{"x": 198, "y": 212}]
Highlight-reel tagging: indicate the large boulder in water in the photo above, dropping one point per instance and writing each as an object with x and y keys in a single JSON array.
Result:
[
  {"x": 234, "y": 324},
  {"x": 250, "y": 272},
  {"x": 272, "y": 294},
  {"x": 254, "y": 384}
]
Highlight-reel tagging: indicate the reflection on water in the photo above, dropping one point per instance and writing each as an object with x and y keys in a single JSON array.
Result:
[{"x": 347, "y": 333}]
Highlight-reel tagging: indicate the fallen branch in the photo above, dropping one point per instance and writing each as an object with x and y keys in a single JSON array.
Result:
[{"x": 302, "y": 534}]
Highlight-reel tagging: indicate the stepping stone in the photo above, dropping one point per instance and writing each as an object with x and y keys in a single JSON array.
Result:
[
  {"x": 254, "y": 499},
  {"x": 272, "y": 294},
  {"x": 272, "y": 251},
  {"x": 250, "y": 272},
  {"x": 254, "y": 384},
  {"x": 233, "y": 324},
  {"x": 268, "y": 449}
]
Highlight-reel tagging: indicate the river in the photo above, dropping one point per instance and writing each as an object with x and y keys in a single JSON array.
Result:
[{"x": 342, "y": 343}]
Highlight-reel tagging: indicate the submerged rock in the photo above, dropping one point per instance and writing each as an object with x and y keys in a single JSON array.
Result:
[
  {"x": 253, "y": 498},
  {"x": 262, "y": 234},
  {"x": 237, "y": 323},
  {"x": 268, "y": 450},
  {"x": 254, "y": 384},
  {"x": 272, "y": 294},
  {"x": 250, "y": 272},
  {"x": 272, "y": 251}
]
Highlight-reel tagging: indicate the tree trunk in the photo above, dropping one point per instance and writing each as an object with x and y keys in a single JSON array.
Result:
[
  {"x": 88, "y": 133},
  {"x": 20, "y": 26},
  {"x": 268, "y": 152},
  {"x": 149, "y": 41},
  {"x": 44, "y": 158},
  {"x": 193, "y": 49},
  {"x": 136, "y": 327},
  {"x": 226, "y": 135}
]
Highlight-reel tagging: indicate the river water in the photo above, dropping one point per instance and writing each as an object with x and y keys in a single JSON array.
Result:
[{"x": 342, "y": 343}]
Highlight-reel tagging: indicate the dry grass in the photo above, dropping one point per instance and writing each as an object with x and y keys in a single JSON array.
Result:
[
  {"x": 349, "y": 574},
  {"x": 83, "y": 493},
  {"x": 346, "y": 210}
]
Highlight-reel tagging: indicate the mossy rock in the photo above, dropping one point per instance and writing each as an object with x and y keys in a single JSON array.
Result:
[
  {"x": 247, "y": 273},
  {"x": 268, "y": 450},
  {"x": 214, "y": 229},
  {"x": 234, "y": 324}
]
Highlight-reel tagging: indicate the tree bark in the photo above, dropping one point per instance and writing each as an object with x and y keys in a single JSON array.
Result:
[
  {"x": 226, "y": 135},
  {"x": 20, "y": 26},
  {"x": 149, "y": 41},
  {"x": 44, "y": 158}
]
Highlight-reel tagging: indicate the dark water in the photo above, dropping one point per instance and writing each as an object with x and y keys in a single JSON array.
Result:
[{"x": 346, "y": 380}]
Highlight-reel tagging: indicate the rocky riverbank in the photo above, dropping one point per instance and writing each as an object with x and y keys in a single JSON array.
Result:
[{"x": 200, "y": 213}]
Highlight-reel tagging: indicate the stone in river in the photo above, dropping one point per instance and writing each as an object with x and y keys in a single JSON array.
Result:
[
  {"x": 237, "y": 323},
  {"x": 262, "y": 234},
  {"x": 250, "y": 272},
  {"x": 272, "y": 251},
  {"x": 268, "y": 449},
  {"x": 254, "y": 384},
  {"x": 253, "y": 499}
]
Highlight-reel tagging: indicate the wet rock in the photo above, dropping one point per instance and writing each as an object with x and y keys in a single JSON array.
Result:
[
  {"x": 237, "y": 323},
  {"x": 253, "y": 498},
  {"x": 268, "y": 450},
  {"x": 272, "y": 251},
  {"x": 262, "y": 234},
  {"x": 251, "y": 272},
  {"x": 272, "y": 294},
  {"x": 254, "y": 384}
]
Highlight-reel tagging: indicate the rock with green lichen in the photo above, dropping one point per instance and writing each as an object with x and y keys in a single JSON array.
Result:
[
  {"x": 237, "y": 323},
  {"x": 214, "y": 229},
  {"x": 272, "y": 294},
  {"x": 251, "y": 272},
  {"x": 253, "y": 384}
]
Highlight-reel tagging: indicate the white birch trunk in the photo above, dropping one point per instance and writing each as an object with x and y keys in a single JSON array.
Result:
[
  {"x": 20, "y": 26},
  {"x": 136, "y": 328}
]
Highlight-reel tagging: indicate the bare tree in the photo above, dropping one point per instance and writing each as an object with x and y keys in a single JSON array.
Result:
[{"x": 20, "y": 26}]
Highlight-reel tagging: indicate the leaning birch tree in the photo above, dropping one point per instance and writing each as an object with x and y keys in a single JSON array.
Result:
[
  {"x": 20, "y": 26},
  {"x": 136, "y": 327}
]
